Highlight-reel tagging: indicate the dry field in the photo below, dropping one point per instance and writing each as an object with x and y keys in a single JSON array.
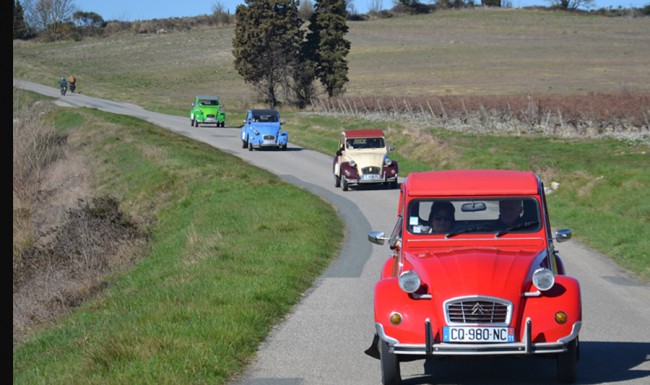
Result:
[{"x": 480, "y": 52}]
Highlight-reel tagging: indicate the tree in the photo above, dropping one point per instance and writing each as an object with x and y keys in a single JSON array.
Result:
[
  {"x": 220, "y": 14},
  {"x": 88, "y": 20},
  {"x": 571, "y": 4},
  {"x": 411, "y": 6},
  {"x": 491, "y": 3},
  {"x": 376, "y": 6},
  {"x": 20, "y": 27},
  {"x": 326, "y": 48},
  {"x": 266, "y": 46},
  {"x": 53, "y": 17}
]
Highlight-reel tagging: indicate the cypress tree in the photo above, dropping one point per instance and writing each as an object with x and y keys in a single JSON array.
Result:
[
  {"x": 266, "y": 46},
  {"x": 326, "y": 48}
]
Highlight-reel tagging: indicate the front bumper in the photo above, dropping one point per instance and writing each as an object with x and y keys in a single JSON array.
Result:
[
  {"x": 363, "y": 180},
  {"x": 468, "y": 349}
]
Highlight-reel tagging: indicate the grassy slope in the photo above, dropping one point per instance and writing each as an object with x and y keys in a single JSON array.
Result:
[{"x": 227, "y": 259}]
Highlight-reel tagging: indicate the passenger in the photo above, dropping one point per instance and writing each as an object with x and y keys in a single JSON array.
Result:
[
  {"x": 510, "y": 211},
  {"x": 442, "y": 218}
]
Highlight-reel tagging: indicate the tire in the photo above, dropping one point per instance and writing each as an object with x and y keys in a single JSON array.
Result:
[
  {"x": 244, "y": 144},
  {"x": 390, "y": 373},
  {"x": 337, "y": 181},
  {"x": 567, "y": 363},
  {"x": 284, "y": 147},
  {"x": 344, "y": 185},
  {"x": 250, "y": 146},
  {"x": 192, "y": 122}
]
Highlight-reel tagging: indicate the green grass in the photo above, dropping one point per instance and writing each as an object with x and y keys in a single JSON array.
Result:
[{"x": 228, "y": 259}]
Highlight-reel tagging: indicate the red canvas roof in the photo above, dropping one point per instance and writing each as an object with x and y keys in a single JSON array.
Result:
[
  {"x": 472, "y": 182},
  {"x": 364, "y": 133}
]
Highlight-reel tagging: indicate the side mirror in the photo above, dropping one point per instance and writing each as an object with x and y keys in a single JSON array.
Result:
[
  {"x": 563, "y": 235},
  {"x": 377, "y": 237},
  {"x": 391, "y": 148}
]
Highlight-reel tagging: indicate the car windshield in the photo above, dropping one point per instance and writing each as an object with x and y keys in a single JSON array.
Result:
[
  {"x": 364, "y": 143},
  {"x": 212, "y": 102},
  {"x": 462, "y": 216},
  {"x": 265, "y": 118}
]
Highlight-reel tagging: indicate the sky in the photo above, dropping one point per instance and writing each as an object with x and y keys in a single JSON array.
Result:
[{"x": 131, "y": 10}]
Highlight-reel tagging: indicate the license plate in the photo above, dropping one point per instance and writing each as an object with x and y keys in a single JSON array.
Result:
[
  {"x": 371, "y": 177},
  {"x": 477, "y": 334}
]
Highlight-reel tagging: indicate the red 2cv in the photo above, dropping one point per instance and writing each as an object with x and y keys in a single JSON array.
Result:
[{"x": 474, "y": 272}]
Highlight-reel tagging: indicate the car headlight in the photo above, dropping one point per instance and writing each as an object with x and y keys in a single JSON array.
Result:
[
  {"x": 409, "y": 281},
  {"x": 256, "y": 132},
  {"x": 543, "y": 279},
  {"x": 387, "y": 162},
  {"x": 353, "y": 163}
]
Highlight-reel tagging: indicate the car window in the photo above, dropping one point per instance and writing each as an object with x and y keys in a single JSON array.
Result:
[
  {"x": 365, "y": 143},
  {"x": 209, "y": 102},
  {"x": 265, "y": 118},
  {"x": 476, "y": 215}
]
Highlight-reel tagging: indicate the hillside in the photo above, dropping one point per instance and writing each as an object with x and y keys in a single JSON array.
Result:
[{"x": 480, "y": 52}]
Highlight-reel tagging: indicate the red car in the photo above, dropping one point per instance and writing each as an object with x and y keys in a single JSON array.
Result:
[
  {"x": 473, "y": 271},
  {"x": 362, "y": 158}
]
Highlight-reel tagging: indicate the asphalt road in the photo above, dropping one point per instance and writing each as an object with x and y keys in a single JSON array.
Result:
[{"x": 322, "y": 341}]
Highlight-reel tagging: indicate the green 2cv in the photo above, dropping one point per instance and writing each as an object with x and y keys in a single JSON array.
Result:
[{"x": 207, "y": 110}]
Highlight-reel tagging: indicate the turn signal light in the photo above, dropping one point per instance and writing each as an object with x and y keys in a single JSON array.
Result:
[
  {"x": 561, "y": 317},
  {"x": 395, "y": 318}
]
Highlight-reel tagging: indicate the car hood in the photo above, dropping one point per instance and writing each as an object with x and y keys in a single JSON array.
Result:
[
  {"x": 477, "y": 271},
  {"x": 367, "y": 158}
]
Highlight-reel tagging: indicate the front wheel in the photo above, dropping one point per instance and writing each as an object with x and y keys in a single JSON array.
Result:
[
  {"x": 192, "y": 122},
  {"x": 390, "y": 373},
  {"x": 567, "y": 363},
  {"x": 250, "y": 146},
  {"x": 337, "y": 181},
  {"x": 344, "y": 184}
]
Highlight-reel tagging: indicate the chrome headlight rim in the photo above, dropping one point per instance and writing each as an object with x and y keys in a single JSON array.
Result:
[
  {"x": 409, "y": 281},
  {"x": 543, "y": 279}
]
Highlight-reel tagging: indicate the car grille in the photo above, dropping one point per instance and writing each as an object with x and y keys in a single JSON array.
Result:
[
  {"x": 478, "y": 311},
  {"x": 210, "y": 115},
  {"x": 371, "y": 170},
  {"x": 269, "y": 137}
]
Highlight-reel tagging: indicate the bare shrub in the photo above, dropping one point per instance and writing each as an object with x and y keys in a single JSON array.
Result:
[
  {"x": 35, "y": 147},
  {"x": 65, "y": 241},
  {"x": 623, "y": 114}
]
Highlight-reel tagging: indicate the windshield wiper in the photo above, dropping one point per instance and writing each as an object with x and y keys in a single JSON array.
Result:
[
  {"x": 468, "y": 230},
  {"x": 516, "y": 227}
]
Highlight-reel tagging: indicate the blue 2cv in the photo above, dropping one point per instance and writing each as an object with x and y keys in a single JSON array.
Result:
[{"x": 263, "y": 129}]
